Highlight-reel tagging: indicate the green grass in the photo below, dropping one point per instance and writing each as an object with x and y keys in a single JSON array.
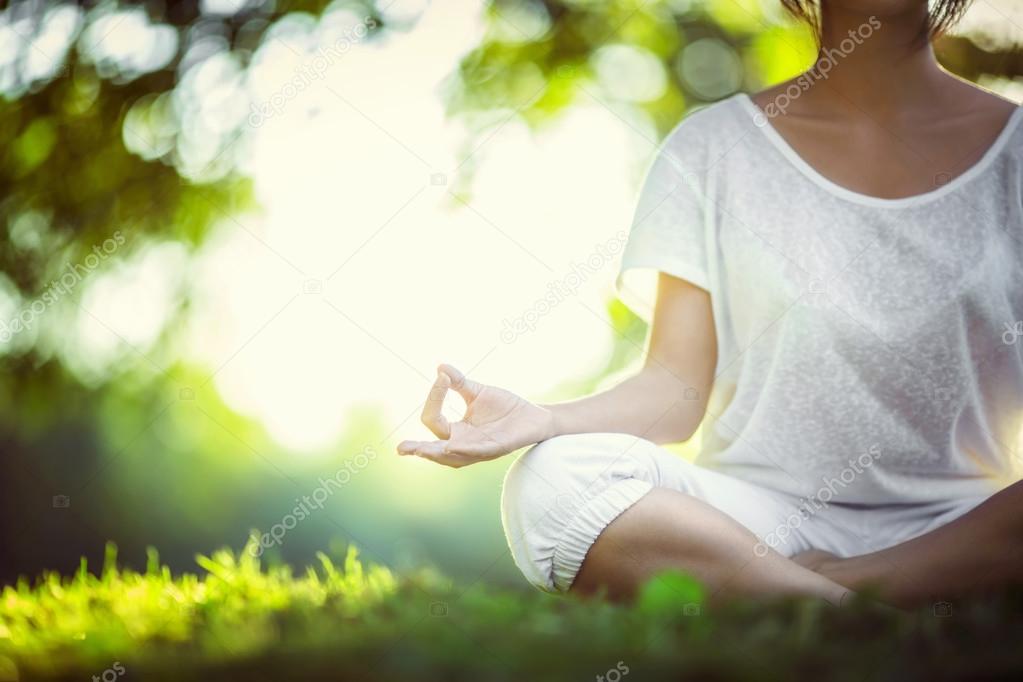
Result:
[{"x": 348, "y": 621}]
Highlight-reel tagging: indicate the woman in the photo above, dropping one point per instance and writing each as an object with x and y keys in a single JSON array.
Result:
[{"x": 839, "y": 258}]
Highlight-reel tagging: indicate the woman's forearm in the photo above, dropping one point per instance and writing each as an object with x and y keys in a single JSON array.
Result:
[
  {"x": 666, "y": 400},
  {"x": 654, "y": 404},
  {"x": 981, "y": 549}
]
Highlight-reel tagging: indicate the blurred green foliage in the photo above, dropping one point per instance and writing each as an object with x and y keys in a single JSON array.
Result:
[
  {"x": 94, "y": 141},
  {"x": 541, "y": 57}
]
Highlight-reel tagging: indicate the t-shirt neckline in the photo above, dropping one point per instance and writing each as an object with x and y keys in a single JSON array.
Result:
[{"x": 760, "y": 120}]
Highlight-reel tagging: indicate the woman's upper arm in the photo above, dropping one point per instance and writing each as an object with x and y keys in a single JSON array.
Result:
[{"x": 682, "y": 337}]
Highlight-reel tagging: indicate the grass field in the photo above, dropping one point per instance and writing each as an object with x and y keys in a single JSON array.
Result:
[{"x": 348, "y": 621}]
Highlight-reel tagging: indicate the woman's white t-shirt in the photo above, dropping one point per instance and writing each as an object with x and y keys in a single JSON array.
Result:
[{"x": 871, "y": 347}]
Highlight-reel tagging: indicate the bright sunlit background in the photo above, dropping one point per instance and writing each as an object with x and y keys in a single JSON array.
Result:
[{"x": 238, "y": 237}]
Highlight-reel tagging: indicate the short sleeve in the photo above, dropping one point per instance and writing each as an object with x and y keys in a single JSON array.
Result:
[{"x": 668, "y": 232}]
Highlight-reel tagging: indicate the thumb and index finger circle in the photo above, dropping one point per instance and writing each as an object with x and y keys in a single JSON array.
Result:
[{"x": 465, "y": 386}]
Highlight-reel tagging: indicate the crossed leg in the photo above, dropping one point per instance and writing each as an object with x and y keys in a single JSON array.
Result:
[
  {"x": 667, "y": 529},
  {"x": 608, "y": 511}
]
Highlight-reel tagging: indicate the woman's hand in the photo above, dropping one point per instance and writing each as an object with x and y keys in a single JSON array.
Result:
[{"x": 496, "y": 422}]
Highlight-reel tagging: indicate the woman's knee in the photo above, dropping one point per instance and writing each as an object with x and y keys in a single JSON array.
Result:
[
  {"x": 555, "y": 476},
  {"x": 561, "y": 494},
  {"x": 541, "y": 482}
]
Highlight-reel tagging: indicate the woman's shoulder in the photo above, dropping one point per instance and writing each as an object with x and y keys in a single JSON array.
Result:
[
  {"x": 711, "y": 126},
  {"x": 708, "y": 131},
  {"x": 1012, "y": 130}
]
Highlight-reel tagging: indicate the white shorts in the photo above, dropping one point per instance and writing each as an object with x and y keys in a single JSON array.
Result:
[{"x": 561, "y": 494}]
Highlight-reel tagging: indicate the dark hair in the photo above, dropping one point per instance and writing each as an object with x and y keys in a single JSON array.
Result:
[{"x": 943, "y": 15}]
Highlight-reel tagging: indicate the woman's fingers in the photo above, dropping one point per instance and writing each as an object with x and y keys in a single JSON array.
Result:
[
  {"x": 433, "y": 416},
  {"x": 422, "y": 447},
  {"x": 449, "y": 450},
  {"x": 465, "y": 386},
  {"x": 462, "y": 448},
  {"x": 408, "y": 447},
  {"x": 435, "y": 451},
  {"x": 450, "y": 459}
]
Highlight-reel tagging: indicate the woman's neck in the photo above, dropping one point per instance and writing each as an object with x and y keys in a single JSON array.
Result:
[{"x": 884, "y": 63}]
